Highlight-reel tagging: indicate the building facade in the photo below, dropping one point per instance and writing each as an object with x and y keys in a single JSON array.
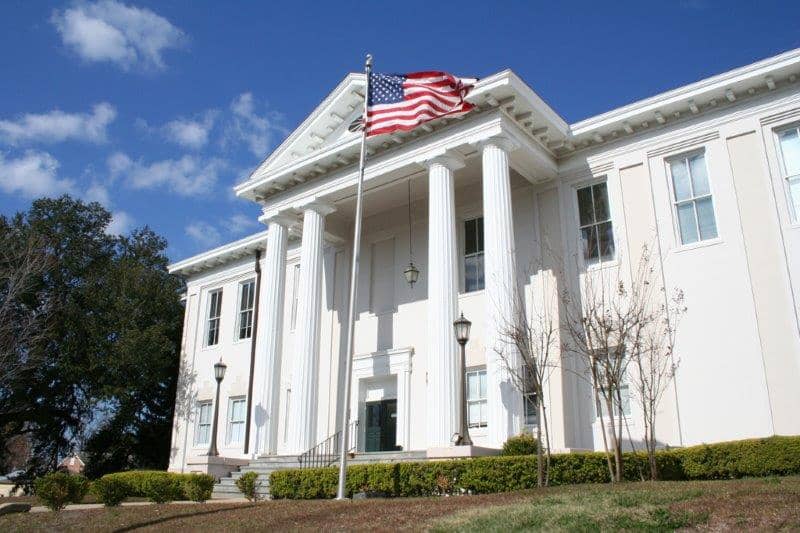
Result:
[{"x": 508, "y": 203}]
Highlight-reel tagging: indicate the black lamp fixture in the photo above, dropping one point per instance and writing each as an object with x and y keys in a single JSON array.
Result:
[
  {"x": 219, "y": 375},
  {"x": 461, "y": 327},
  {"x": 411, "y": 272}
]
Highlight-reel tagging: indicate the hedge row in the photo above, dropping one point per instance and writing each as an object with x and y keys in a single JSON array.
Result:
[
  {"x": 758, "y": 457},
  {"x": 157, "y": 486}
]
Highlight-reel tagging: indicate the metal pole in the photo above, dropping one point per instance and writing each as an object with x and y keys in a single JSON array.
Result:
[
  {"x": 465, "y": 439},
  {"x": 212, "y": 450},
  {"x": 345, "y": 420}
]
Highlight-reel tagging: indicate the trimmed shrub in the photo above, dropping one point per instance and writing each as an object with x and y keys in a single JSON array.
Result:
[
  {"x": 758, "y": 457},
  {"x": 522, "y": 444},
  {"x": 110, "y": 491},
  {"x": 163, "y": 489},
  {"x": 248, "y": 485},
  {"x": 198, "y": 487},
  {"x": 58, "y": 489}
]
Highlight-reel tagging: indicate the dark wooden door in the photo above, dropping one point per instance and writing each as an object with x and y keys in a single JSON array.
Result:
[{"x": 380, "y": 429}]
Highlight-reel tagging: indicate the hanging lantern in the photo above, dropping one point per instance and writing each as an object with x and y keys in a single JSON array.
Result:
[{"x": 411, "y": 273}]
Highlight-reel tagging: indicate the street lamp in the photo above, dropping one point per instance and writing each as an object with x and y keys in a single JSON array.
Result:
[
  {"x": 219, "y": 375},
  {"x": 461, "y": 327}
]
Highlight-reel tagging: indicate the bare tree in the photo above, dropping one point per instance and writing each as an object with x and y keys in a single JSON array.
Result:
[{"x": 532, "y": 336}]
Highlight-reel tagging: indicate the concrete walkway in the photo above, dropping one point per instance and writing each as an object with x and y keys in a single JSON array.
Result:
[{"x": 87, "y": 506}]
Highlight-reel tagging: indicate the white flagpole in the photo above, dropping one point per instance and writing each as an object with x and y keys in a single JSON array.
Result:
[{"x": 341, "y": 494}]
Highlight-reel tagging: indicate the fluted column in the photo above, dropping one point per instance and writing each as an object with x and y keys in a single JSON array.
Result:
[
  {"x": 305, "y": 359},
  {"x": 444, "y": 383},
  {"x": 273, "y": 285},
  {"x": 504, "y": 401}
]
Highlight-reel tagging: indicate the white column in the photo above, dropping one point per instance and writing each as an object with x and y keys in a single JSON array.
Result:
[
  {"x": 504, "y": 401},
  {"x": 264, "y": 411},
  {"x": 403, "y": 437},
  {"x": 305, "y": 359},
  {"x": 443, "y": 363}
]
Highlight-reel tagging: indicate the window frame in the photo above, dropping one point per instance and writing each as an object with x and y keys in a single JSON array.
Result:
[
  {"x": 525, "y": 395},
  {"x": 786, "y": 179},
  {"x": 477, "y": 254},
  {"x": 685, "y": 156},
  {"x": 626, "y": 413},
  {"x": 216, "y": 319},
  {"x": 600, "y": 262},
  {"x": 229, "y": 422},
  {"x": 250, "y": 310},
  {"x": 478, "y": 370},
  {"x": 198, "y": 422},
  {"x": 295, "y": 296}
]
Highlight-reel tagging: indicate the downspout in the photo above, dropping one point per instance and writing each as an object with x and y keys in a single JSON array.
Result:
[{"x": 252, "y": 354}]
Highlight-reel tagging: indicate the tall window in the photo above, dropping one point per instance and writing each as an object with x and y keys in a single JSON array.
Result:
[
  {"x": 692, "y": 195},
  {"x": 530, "y": 400},
  {"x": 473, "y": 255},
  {"x": 236, "y": 415},
  {"x": 247, "y": 296},
  {"x": 790, "y": 156},
  {"x": 594, "y": 215},
  {"x": 214, "y": 311},
  {"x": 295, "y": 290},
  {"x": 202, "y": 431},
  {"x": 476, "y": 398},
  {"x": 624, "y": 393}
]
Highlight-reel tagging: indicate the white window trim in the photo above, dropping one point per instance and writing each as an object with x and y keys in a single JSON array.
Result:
[
  {"x": 699, "y": 243},
  {"x": 209, "y": 319},
  {"x": 229, "y": 422},
  {"x": 576, "y": 217},
  {"x": 476, "y": 370},
  {"x": 794, "y": 217},
  {"x": 198, "y": 406},
  {"x": 239, "y": 312}
]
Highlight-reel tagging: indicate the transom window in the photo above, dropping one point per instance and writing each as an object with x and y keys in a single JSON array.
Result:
[
  {"x": 202, "y": 432},
  {"x": 214, "y": 312},
  {"x": 790, "y": 156},
  {"x": 594, "y": 215},
  {"x": 473, "y": 255},
  {"x": 476, "y": 398},
  {"x": 236, "y": 416},
  {"x": 247, "y": 296},
  {"x": 692, "y": 197}
]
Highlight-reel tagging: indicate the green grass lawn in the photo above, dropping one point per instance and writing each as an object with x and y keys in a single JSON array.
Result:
[{"x": 761, "y": 504}]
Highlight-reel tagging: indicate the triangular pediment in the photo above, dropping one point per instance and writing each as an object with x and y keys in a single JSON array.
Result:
[{"x": 326, "y": 126}]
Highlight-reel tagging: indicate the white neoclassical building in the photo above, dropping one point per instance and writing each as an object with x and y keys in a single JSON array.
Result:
[{"x": 708, "y": 174}]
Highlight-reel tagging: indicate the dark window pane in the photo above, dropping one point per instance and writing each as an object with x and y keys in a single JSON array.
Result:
[
  {"x": 473, "y": 273},
  {"x": 601, "y": 211},
  {"x": 479, "y": 231},
  {"x": 589, "y": 241},
  {"x": 606, "y": 236},
  {"x": 585, "y": 210},
  {"x": 470, "y": 237}
]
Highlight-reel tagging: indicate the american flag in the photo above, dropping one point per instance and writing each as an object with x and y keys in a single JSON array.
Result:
[{"x": 401, "y": 102}]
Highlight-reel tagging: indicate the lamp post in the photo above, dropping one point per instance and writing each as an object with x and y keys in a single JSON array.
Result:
[
  {"x": 219, "y": 375},
  {"x": 461, "y": 327}
]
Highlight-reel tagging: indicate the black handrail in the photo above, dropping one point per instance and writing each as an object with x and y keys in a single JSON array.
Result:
[{"x": 327, "y": 452}]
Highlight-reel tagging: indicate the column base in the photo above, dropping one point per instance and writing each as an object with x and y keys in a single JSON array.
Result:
[
  {"x": 460, "y": 452},
  {"x": 215, "y": 465}
]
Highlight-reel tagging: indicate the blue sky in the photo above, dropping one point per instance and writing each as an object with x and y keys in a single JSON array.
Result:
[{"x": 156, "y": 109}]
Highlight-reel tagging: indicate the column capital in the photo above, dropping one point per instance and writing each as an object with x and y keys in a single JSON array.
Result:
[
  {"x": 502, "y": 141},
  {"x": 318, "y": 206},
  {"x": 283, "y": 218},
  {"x": 449, "y": 160}
]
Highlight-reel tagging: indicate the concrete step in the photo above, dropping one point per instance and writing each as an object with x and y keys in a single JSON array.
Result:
[{"x": 388, "y": 457}]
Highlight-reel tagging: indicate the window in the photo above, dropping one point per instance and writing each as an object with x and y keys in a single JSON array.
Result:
[
  {"x": 530, "y": 402},
  {"x": 295, "y": 289},
  {"x": 202, "y": 432},
  {"x": 236, "y": 417},
  {"x": 476, "y": 398},
  {"x": 693, "y": 206},
  {"x": 790, "y": 156},
  {"x": 473, "y": 255},
  {"x": 214, "y": 310},
  {"x": 624, "y": 393},
  {"x": 594, "y": 218},
  {"x": 247, "y": 296}
]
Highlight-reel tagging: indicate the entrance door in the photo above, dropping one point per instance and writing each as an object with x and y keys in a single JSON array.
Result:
[{"x": 381, "y": 426}]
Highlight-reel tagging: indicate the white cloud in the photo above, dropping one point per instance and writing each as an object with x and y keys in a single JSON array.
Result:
[
  {"x": 190, "y": 133},
  {"x": 240, "y": 223},
  {"x": 57, "y": 126},
  {"x": 97, "y": 192},
  {"x": 248, "y": 126},
  {"x": 187, "y": 176},
  {"x": 108, "y": 30},
  {"x": 32, "y": 175},
  {"x": 121, "y": 223},
  {"x": 204, "y": 234}
]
